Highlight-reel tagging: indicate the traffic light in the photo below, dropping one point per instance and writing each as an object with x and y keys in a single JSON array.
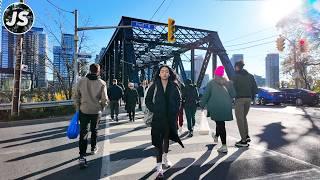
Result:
[
  {"x": 303, "y": 45},
  {"x": 280, "y": 44},
  {"x": 171, "y": 30}
]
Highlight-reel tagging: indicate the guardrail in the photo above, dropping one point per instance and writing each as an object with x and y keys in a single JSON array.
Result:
[{"x": 7, "y": 106}]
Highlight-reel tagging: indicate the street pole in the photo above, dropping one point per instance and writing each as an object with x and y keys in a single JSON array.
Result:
[
  {"x": 15, "y": 108},
  {"x": 296, "y": 72},
  {"x": 76, "y": 38}
]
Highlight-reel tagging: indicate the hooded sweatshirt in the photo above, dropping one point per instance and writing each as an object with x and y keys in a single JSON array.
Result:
[{"x": 90, "y": 94}]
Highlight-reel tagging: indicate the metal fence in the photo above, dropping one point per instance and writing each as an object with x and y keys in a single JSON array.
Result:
[{"x": 7, "y": 106}]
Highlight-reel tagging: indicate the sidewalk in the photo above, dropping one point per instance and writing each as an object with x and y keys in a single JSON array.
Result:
[{"x": 132, "y": 156}]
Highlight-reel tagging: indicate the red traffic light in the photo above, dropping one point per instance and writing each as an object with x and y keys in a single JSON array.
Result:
[{"x": 302, "y": 42}]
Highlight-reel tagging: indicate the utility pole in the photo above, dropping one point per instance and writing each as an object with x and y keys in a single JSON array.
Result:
[
  {"x": 76, "y": 39},
  {"x": 15, "y": 108}
]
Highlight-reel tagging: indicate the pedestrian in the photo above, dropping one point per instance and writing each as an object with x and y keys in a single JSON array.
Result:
[
  {"x": 218, "y": 100},
  {"x": 122, "y": 87},
  {"x": 164, "y": 105},
  {"x": 115, "y": 94},
  {"x": 141, "y": 95},
  {"x": 246, "y": 89},
  {"x": 90, "y": 97},
  {"x": 191, "y": 97},
  {"x": 180, "y": 113},
  {"x": 131, "y": 99}
]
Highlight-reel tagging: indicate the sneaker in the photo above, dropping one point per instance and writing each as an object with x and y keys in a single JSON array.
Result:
[
  {"x": 241, "y": 144},
  {"x": 159, "y": 171},
  {"x": 180, "y": 130},
  {"x": 94, "y": 150},
  {"x": 167, "y": 163},
  {"x": 190, "y": 134},
  {"x": 83, "y": 163},
  {"x": 160, "y": 174},
  {"x": 215, "y": 138},
  {"x": 223, "y": 149},
  {"x": 248, "y": 139}
]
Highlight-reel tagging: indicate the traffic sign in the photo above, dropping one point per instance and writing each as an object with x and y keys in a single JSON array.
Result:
[
  {"x": 142, "y": 25},
  {"x": 87, "y": 56}
]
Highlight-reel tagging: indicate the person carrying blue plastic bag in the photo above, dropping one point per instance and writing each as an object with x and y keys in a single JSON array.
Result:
[
  {"x": 90, "y": 98},
  {"x": 74, "y": 129}
]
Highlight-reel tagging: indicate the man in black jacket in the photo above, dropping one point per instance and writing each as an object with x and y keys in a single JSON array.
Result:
[
  {"x": 115, "y": 93},
  {"x": 141, "y": 95},
  {"x": 190, "y": 98},
  {"x": 246, "y": 89}
]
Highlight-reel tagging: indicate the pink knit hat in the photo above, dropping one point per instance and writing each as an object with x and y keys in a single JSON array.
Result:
[{"x": 219, "y": 71}]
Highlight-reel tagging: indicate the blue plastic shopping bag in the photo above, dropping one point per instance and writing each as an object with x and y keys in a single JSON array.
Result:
[{"x": 74, "y": 129}]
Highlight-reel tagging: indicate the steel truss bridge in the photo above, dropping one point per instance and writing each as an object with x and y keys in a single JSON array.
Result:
[{"x": 134, "y": 53}]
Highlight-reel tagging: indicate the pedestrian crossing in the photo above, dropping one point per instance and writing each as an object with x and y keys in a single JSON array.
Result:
[{"x": 129, "y": 155}]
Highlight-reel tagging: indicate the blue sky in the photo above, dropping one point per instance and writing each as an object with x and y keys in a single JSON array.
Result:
[{"x": 235, "y": 22}]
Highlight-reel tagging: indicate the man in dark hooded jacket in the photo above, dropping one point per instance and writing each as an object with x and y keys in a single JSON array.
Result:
[
  {"x": 190, "y": 97},
  {"x": 246, "y": 89}
]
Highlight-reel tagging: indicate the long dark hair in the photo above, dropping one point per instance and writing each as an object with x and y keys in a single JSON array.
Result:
[{"x": 172, "y": 77}]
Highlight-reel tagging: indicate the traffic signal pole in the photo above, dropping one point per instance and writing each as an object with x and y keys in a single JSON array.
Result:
[
  {"x": 76, "y": 39},
  {"x": 297, "y": 74}
]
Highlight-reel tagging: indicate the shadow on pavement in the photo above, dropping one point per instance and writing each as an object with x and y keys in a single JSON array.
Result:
[
  {"x": 222, "y": 170},
  {"x": 59, "y": 131},
  {"x": 273, "y": 135},
  {"x": 314, "y": 129}
]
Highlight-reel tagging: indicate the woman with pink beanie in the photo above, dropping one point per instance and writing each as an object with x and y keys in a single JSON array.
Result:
[{"x": 218, "y": 100}]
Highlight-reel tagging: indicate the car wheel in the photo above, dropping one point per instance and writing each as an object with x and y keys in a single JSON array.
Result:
[
  {"x": 299, "y": 102},
  {"x": 263, "y": 101}
]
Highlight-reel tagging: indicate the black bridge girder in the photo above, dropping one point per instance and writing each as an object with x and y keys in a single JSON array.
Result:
[{"x": 133, "y": 50}]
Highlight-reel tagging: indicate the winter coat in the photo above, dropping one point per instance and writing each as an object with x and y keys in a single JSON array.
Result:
[
  {"x": 165, "y": 109},
  {"x": 218, "y": 100},
  {"x": 141, "y": 91},
  {"x": 245, "y": 85},
  {"x": 190, "y": 96},
  {"x": 90, "y": 94},
  {"x": 131, "y": 98},
  {"x": 115, "y": 93}
]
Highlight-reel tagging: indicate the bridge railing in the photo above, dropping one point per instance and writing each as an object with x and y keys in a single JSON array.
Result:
[{"x": 7, "y": 106}]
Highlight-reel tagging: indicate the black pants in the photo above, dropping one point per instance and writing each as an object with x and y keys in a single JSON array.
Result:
[
  {"x": 221, "y": 131},
  {"x": 85, "y": 119},
  {"x": 132, "y": 113},
  {"x": 165, "y": 148},
  {"x": 140, "y": 103},
  {"x": 114, "y": 107},
  {"x": 190, "y": 114}
]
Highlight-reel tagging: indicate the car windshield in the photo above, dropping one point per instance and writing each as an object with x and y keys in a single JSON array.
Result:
[{"x": 270, "y": 89}]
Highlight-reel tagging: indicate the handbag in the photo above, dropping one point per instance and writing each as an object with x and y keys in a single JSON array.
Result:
[
  {"x": 148, "y": 115},
  {"x": 73, "y": 128},
  {"x": 204, "y": 125}
]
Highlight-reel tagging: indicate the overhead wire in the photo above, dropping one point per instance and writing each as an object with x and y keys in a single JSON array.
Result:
[{"x": 157, "y": 10}]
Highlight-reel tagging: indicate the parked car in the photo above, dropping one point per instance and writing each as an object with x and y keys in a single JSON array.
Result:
[
  {"x": 269, "y": 95},
  {"x": 301, "y": 97}
]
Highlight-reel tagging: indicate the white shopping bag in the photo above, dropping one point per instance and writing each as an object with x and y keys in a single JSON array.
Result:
[{"x": 204, "y": 125}]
